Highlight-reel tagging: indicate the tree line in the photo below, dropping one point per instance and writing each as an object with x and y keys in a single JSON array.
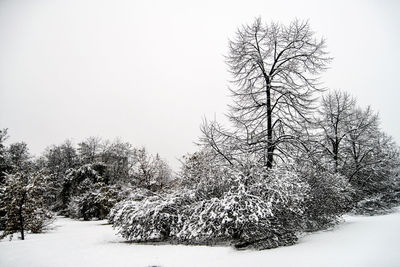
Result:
[{"x": 80, "y": 182}]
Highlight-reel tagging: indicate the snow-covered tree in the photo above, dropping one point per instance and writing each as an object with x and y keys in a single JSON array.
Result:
[
  {"x": 57, "y": 160},
  {"x": 78, "y": 181},
  {"x": 95, "y": 202},
  {"x": 23, "y": 203},
  {"x": 18, "y": 156},
  {"x": 4, "y": 164},
  {"x": 118, "y": 156}
]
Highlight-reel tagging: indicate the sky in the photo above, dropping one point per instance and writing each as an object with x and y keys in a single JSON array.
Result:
[{"x": 148, "y": 72}]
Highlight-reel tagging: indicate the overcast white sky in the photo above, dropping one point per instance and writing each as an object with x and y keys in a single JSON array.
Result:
[{"x": 148, "y": 71}]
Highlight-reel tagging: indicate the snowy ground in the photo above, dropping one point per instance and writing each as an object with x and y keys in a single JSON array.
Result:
[{"x": 359, "y": 241}]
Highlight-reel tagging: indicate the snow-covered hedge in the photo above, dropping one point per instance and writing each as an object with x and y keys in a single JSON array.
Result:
[
  {"x": 150, "y": 219},
  {"x": 265, "y": 211},
  {"x": 379, "y": 204}
]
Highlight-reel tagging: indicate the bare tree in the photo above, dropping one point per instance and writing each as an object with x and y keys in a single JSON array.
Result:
[
  {"x": 335, "y": 118},
  {"x": 350, "y": 137},
  {"x": 371, "y": 154},
  {"x": 275, "y": 71},
  {"x": 88, "y": 149},
  {"x": 149, "y": 171}
]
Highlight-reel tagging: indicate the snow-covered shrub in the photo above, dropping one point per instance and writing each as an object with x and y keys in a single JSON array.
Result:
[
  {"x": 204, "y": 172},
  {"x": 238, "y": 217},
  {"x": 330, "y": 197},
  {"x": 150, "y": 219},
  {"x": 372, "y": 206},
  {"x": 285, "y": 189},
  {"x": 383, "y": 202}
]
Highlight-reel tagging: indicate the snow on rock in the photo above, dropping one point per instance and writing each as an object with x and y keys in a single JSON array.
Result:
[{"x": 359, "y": 241}]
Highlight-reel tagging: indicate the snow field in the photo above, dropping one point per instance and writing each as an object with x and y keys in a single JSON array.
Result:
[{"x": 359, "y": 241}]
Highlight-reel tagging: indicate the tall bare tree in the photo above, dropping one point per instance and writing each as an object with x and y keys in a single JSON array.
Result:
[{"x": 275, "y": 71}]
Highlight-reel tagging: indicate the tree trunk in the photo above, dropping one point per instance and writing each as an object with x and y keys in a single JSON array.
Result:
[
  {"x": 21, "y": 217},
  {"x": 336, "y": 156},
  {"x": 270, "y": 147}
]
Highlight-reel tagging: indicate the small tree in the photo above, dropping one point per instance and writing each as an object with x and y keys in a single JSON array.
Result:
[
  {"x": 89, "y": 149},
  {"x": 150, "y": 172},
  {"x": 57, "y": 160},
  {"x": 4, "y": 165},
  {"x": 18, "y": 156},
  {"x": 336, "y": 112},
  {"x": 23, "y": 203},
  {"x": 118, "y": 157}
]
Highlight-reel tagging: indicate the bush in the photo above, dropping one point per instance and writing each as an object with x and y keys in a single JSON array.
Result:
[
  {"x": 330, "y": 197},
  {"x": 380, "y": 203},
  {"x": 285, "y": 189},
  {"x": 150, "y": 219},
  {"x": 238, "y": 217},
  {"x": 204, "y": 173}
]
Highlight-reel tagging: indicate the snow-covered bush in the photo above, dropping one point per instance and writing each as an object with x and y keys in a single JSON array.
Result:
[
  {"x": 330, "y": 197},
  {"x": 372, "y": 206},
  {"x": 285, "y": 189},
  {"x": 204, "y": 173},
  {"x": 238, "y": 217},
  {"x": 150, "y": 219},
  {"x": 383, "y": 202}
]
